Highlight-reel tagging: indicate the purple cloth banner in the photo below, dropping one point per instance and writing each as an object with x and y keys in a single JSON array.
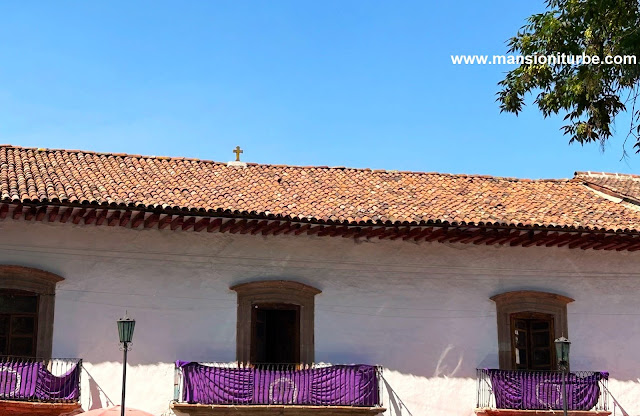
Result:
[
  {"x": 543, "y": 390},
  {"x": 30, "y": 380},
  {"x": 340, "y": 385}
]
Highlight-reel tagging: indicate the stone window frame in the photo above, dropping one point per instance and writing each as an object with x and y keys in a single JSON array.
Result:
[
  {"x": 275, "y": 291},
  {"x": 519, "y": 301},
  {"x": 43, "y": 284}
]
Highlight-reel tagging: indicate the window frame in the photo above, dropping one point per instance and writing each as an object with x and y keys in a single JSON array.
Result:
[
  {"x": 275, "y": 292},
  {"x": 43, "y": 284},
  {"x": 34, "y": 334},
  {"x": 522, "y": 301}
]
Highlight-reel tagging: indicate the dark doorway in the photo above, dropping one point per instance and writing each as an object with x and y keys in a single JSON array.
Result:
[{"x": 275, "y": 336}]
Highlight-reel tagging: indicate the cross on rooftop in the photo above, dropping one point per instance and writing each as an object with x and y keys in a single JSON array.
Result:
[{"x": 237, "y": 151}]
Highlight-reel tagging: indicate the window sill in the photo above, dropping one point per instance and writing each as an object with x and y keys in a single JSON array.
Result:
[
  {"x": 516, "y": 412},
  {"x": 184, "y": 409},
  {"x": 17, "y": 408}
]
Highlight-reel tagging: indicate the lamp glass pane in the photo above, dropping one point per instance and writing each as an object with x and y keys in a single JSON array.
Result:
[
  {"x": 562, "y": 350},
  {"x": 565, "y": 352},
  {"x": 558, "y": 352}
]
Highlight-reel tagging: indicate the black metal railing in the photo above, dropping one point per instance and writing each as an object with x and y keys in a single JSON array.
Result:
[
  {"x": 542, "y": 390},
  {"x": 282, "y": 384},
  {"x": 55, "y": 380}
]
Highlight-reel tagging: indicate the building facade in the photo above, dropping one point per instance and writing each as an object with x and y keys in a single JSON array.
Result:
[{"x": 434, "y": 282}]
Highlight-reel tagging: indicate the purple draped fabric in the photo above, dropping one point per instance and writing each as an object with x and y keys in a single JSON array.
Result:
[
  {"x": 30, "y": 380},
  {"x": 543, "y": 390},
  {"x": 340, "y": 385},
  {"x": 215, "y": 385}
]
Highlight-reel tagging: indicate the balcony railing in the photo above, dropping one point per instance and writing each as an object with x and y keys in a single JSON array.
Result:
[
  {"x": 542, "y": 390},
  {"x": 29, "y": 379},
  {"x": 281, "y": 384}
]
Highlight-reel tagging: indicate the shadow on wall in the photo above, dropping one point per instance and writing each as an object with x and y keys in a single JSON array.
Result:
[
  {"x": 96, "y": 394},
  {"x": 450, "y": 362},
  {"x": 448, "y": 366},
  {"x": 396, "y": 405}
]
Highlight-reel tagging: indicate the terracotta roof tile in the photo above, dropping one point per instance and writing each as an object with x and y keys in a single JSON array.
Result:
[
  {"x": 338, "y": 194},
  {"x": 622, "y": 185}
]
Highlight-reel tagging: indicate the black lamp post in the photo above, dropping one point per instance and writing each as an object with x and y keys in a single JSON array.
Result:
[
  {"x": 562, "y": 353},
  {"x": 125, "y": 332}
]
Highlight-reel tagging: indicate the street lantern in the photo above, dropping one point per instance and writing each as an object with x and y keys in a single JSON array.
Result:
[
  {"x": 125, "y": 329},
  {"x": 125, "y": 333},
  {"x": 562, "y": 353}
]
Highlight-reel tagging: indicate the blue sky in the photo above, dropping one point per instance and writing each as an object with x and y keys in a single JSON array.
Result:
[{"x": 337, "y": 83}]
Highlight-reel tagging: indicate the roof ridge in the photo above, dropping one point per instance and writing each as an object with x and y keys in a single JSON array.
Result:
[
  {"x": 391, "y": 171},
  {"x": 593, "y": 174}
]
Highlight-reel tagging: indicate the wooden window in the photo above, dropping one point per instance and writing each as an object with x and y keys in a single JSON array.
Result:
[
  {"x": 275, "y": 322},
  {"x": 27, "y": 298},
  {"x": 18, "y": 323},
  {"x": 537, "y": 316},
  {"x": 532, "y": 339},
  {"x": 275, "y": 335}
]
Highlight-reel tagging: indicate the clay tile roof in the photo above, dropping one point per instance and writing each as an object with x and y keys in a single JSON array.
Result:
[
  {"x": 622, "y": 185},
  {"x": 321, "y": 194}
]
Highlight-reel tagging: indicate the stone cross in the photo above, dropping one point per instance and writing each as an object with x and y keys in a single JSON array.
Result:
[{"x": 237, "y": 152}]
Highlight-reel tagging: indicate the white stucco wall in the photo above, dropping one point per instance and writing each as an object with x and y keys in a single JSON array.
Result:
[{"x": 421, "y": 310}]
